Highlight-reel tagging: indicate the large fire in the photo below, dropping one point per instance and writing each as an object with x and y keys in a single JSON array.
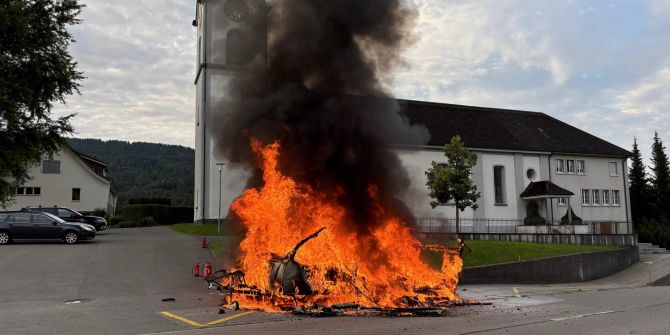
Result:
[{"x": 380, "y": 266}]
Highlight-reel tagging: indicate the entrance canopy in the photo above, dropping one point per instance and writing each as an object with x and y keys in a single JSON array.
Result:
[{"x": 544, "y": 190}]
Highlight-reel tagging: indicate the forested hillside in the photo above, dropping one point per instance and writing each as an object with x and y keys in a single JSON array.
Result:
[{"x": 145, "y": 169}]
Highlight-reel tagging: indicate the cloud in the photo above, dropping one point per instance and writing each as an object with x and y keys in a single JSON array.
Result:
[
  {"x": 599, "y": 66},
  {"x": 139, "y": 60},
  {"x": 585, "y": 62},
  {"x": 648, "y": 96}
]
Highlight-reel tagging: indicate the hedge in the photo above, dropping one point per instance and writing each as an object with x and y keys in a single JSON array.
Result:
[{"x": 162, "y": 214}]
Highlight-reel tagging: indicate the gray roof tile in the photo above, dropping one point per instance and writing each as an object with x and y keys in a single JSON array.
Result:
[{"x": 504, "y": 129}]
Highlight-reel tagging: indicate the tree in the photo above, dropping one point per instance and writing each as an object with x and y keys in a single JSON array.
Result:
[
  {"x": 451, "y": 180},
  {"x": 640, "y": 197},
  {"x": 36, "y": 71},
  {"x": 660, "y": 181}
]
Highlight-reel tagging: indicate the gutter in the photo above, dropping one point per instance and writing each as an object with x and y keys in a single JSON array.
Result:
[
  {"x": 624, "y": 173},
  {"x": 552, "y": 204}
]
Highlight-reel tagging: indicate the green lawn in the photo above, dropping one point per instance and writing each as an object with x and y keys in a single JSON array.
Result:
[
  {"x": 216, "y": 246},
  {"x": 494, "y": 252},
  {"x": 204, "y": 230}
]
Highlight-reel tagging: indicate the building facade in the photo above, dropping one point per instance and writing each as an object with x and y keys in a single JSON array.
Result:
[
  {"x": 68, "y": 179},
  {"x": 530, "y": 165},
  {"x": 222, "y": 29},
  {"x": 519, "y": 152}
]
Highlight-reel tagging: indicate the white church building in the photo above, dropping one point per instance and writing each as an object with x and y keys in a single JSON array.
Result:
[{"x": 532, "y": 168}]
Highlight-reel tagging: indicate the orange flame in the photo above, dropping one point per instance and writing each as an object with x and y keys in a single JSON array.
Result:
[{"x": 375, "y": 268}]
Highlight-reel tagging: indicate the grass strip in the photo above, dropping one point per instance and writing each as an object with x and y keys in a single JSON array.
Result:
[
  {"x": 200, "y": 229},
  {"x": 496, "y": 252}
]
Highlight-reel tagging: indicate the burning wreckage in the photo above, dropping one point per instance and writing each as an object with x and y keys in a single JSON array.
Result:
[{"x": 292, "y": 291}]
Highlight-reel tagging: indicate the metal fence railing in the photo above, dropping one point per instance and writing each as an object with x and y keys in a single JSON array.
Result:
[
  {"x": 658, "y": 269},
  {"x": 513, "y": 226}
]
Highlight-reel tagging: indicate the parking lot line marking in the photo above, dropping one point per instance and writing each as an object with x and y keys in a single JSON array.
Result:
[
  {"x": 228, "y": 318},
  {"x": 583, "y": 315},
  {"x": 183, "y": 319}
]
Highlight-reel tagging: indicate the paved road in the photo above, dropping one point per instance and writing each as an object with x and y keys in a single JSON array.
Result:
[
  {"x": 540, "y": 310},
  {"x": 120, "y": 280}
]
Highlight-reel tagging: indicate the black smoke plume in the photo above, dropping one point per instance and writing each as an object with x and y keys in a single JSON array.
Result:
[{"x": 322, "y": 94}]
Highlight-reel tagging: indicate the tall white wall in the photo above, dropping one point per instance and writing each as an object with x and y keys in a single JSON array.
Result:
[
  {"x": 493, "y": 210},
  {"x": 416, "y": 198},
  {"x": 213, "y": 76}
]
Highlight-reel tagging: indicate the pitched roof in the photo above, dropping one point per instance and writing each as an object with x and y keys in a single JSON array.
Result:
[
  {"x": 96, "y": 166},
  {"x": 505, "y": 129},
  {"x": 543, "y": 189}
]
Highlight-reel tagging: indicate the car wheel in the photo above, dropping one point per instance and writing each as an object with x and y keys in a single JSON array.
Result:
[
  {"x": 71, "y": 237},
  {"x": 5, "y": 237}
]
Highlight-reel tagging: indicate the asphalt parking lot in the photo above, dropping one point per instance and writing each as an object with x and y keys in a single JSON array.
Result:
[
  {"x": 112, "y": 285},
  {"x": 117, "y": 283}
]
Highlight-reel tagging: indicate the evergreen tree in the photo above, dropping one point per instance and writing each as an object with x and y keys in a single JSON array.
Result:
[
  {"x": 660, "y": 181},
  {"x": 640, "y": 197},
  {"x": 451, "y": 180}
]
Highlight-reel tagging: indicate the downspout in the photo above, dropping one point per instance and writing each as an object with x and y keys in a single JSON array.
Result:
[
  {"x": 205, "y": 152},
  {"x": 552, "y": 204},
  {"x": 625, "y": 194}
]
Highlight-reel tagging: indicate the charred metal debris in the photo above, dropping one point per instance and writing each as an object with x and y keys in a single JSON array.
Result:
[{"x": 291, "y": 280}]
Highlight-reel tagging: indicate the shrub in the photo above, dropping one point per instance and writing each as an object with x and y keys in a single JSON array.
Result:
[
  {"x": 655, "y": 232},
  {"x": 162, "y": 214},
  {"x": 99, "y": 212},
  {"x": 127, "y": 224},
  {"x": 575, "y": 219},
  {"x": 146, "y": 222},
  {"x": 180, "y": 214},
  {"x": 115, "y": 220},
  {"x": 534, "y": 220}
]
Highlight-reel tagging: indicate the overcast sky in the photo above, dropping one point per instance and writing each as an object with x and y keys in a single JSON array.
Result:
[{"x": 602, "y": 66}]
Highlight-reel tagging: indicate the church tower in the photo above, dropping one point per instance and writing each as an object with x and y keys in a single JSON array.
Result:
[{"x": 231, "y": 41}]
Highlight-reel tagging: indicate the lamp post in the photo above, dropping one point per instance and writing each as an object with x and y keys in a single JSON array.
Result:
[{"x": 218, "y": 225}]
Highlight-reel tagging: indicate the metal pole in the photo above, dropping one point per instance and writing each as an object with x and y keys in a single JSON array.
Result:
[{"x": 218, "y": 225}]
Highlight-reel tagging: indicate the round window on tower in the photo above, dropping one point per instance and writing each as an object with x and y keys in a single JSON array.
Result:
[{"x": 530, "y": 173}]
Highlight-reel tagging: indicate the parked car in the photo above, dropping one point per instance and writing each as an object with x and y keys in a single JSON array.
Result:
[
  {"x": 25, "y": 225},
  {"x": 71, "y": 216}
]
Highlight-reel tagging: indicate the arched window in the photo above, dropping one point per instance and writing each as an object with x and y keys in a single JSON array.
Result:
[{"x": 235, "y": 48}]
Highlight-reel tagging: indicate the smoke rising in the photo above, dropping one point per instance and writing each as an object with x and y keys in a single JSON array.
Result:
[{"x": 322, "y": 94}]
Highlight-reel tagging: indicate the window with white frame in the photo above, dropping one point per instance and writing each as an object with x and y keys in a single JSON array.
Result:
[
  {"x": 615, "y": 198},
  {"x": 560, "y": 166},
  {"x": 596, "y": 197},
  {"x": 562, "y": 201},
  {"x": 28, "y": 191},
  {"x": 581, "y": 167},
  {"x": 614, "y": 171},
  {"x": 586, "y": 197},
  {"x": 606, "y": 197},
  {"x": 570, "y": 166}
]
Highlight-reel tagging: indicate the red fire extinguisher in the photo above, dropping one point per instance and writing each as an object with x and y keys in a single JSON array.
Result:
[
  {"x": 208, "y": 270},
  {"x": 204, "y": 242},
  {"x": 196, "y": 269}
]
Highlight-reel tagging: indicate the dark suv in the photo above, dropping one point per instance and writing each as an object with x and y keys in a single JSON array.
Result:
[
  {"x": 41, "y": 226},
  {"x": 71, "y": 216}
]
